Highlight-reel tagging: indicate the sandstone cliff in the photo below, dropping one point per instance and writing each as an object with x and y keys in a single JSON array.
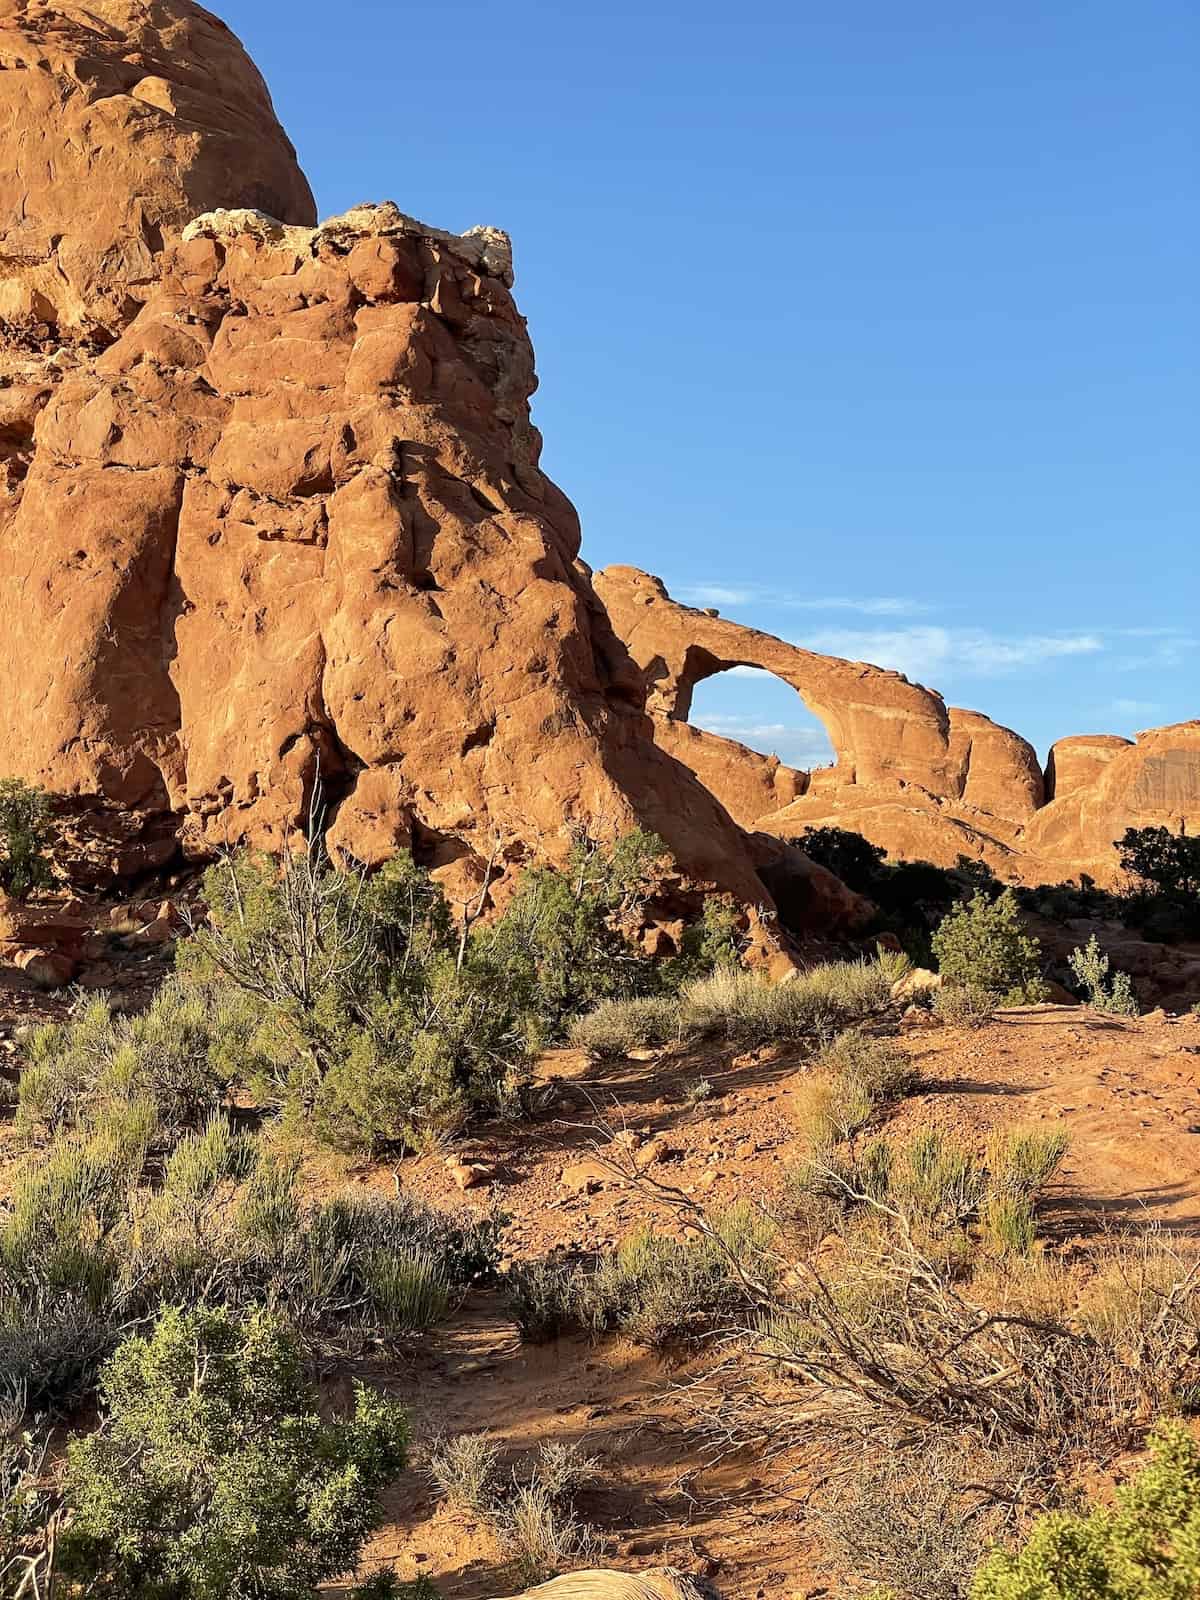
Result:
[{"x": 271, "y": 511}]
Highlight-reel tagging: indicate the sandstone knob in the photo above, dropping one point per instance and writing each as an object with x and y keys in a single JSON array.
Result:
[{"x": 119, "y": 122}]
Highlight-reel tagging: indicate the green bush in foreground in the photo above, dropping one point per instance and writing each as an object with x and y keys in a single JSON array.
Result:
[
  {"x": 1147, "y": 1547},
  {"x": 1090, "y": 968},
  {"x": 24, "y": 838},
  {"x": 981, "y": 945},
  {"x": 213, "y": 1478}
]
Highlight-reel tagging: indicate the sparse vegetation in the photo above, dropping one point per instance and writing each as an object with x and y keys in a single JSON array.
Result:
[
  {"x": 175, "y": 1062},
  {"x": 532, "y": 1513},
  {"x": 90, "y": 1249},
  {"x": 616, "y": 1027},
  {"x": 745, "y": 1008},
  {"x": 916, "y": 1523},
  {"x": 466, "y": 1470},
  {"x": 907, "y": 1299},
  {"x": 1090, "y": 967},
  {"x": 980, "y": 945},
  {"x": 26, "y": 831},
  {"x": 356, "y": 1008},
  {"x": 852, "y": 1078},
  {"x": 933, "y": 1186},
  {"x": 541, "y": 1295},
  {"x": 659, "y": 1290},
  {"x": 966, "y": 1005}
]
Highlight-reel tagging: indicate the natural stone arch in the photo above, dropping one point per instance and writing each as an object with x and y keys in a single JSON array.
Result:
[
  {"x": 886, "y": 732},
  {"x": 880, "y": 725}
]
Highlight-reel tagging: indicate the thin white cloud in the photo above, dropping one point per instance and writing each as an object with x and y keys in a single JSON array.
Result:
[
  {"x": 928, "y": 653},
  {"x": 799, "y": 746},
  {"x": 1161, "y": 648},
  {"x": 881, "y": 606},
  {"x": 739, "y": 595},
  {"x": 1134, "y": 708},
  {"x": 714, "y": 594}
]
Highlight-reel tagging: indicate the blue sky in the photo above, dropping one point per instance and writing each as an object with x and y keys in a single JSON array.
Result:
[{"x": 874, "y": 325}]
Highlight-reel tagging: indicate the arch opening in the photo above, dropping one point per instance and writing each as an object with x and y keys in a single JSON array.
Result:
[{"x": 759, "y": 710}]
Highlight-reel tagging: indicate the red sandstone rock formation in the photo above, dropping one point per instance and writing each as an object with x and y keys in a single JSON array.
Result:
[
  {"x": 271, "y": 509},
  {"x": 120, "y": 121},
  {"x": 917, "y": 778}
]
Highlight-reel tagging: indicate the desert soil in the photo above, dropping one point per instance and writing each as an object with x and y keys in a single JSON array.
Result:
[{"x": 1127, "y": 1092}]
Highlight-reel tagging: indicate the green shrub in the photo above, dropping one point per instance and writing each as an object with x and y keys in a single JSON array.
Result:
[
  {"x": 25, "y": 835},
  {"x": 357, "y": 1008},
  {"x": 385, "y": 1585},
  {"x": 936, "y": 1182},
  {"x": 1165, "y": 862},
  {"x": 964, "y": 1005},
  {"x": 745, "y": 1008},
  {"x": 616, "y": 1027},
  {"x": 850, "y": 1080},
  {"x": 911, "y": 896},
  {"x": 861, "y": 865},
  {"x": 381, "y": 1023},
  {"x": 561, "y": 946},
  {"x": 871, "y": 1071},
  {"x": 212, "y": 1474},
  {"x": 1146, "y": 1547},
  {"x": 716, "y": 940},
  {"x": 360, "y": 1265},
  {"x": 543, "y": 1298},
  {"x": 981, "y": 945},
  {"x": 176, "y": 1060},
  {"x": 371, "y": 1024},
  {"x": 658, "y": 1290},
  {"x": 466, "y": 1470},
  {"x": 939, "y": 1186},
  {"x": 1090, "y": 967},
  {"x": 1021, "y": 1161},
  {"x": 406, "y": 1289}
]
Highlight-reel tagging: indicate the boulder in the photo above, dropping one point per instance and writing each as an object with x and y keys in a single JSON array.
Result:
[
  {"x": 918, "y": 984},
  {"x": 663, "y": 1583},
  {"x": 49, "y": 969},
  {"x": 42, "y": 926}
]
